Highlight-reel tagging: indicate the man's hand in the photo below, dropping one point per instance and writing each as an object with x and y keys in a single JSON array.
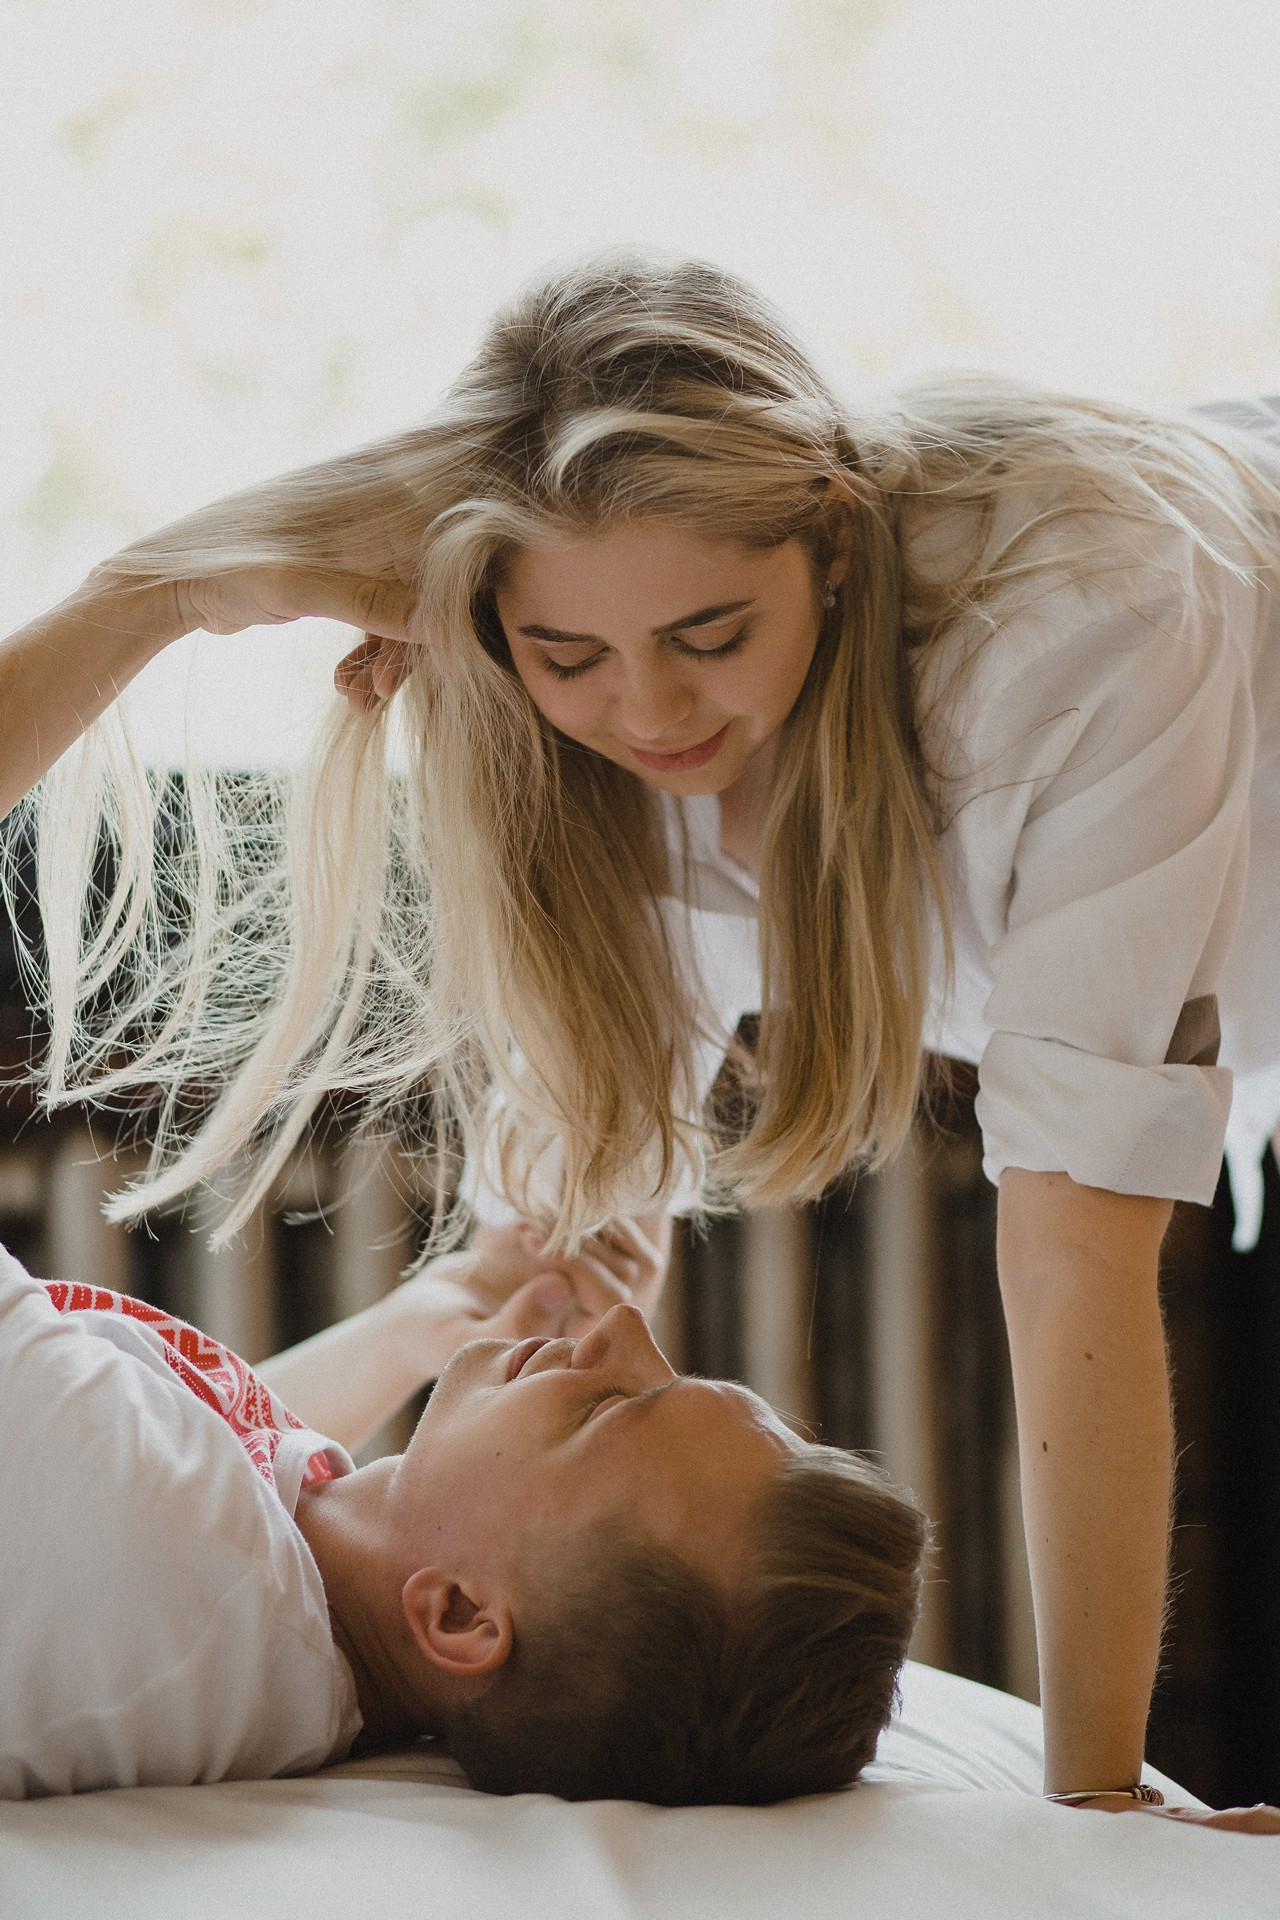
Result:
[
  {"x": 627, "y": 1261},
  {"x": 468, "y": 1296},
  {"x": 346, "y": 1381},
  {"x": 506, "y": 1286}
]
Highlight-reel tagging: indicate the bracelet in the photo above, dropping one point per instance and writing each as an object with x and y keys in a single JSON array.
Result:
[{"x": 1148, "y": 1796}]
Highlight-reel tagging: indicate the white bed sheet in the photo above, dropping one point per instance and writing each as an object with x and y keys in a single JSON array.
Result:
[{"x": 948, "y": 1822}]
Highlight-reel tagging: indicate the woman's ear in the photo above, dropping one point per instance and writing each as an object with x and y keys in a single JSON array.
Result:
[
  {"x": 457, "y": 1632},
  {"x": 841, "y": 542}
]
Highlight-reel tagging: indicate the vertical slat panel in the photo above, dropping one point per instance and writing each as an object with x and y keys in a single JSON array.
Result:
[
  {"x": 777, "y": 1295},
  {"x": 23, "y": 1206},
  {"x": 372, "y": 1245},
  {"x": 839, "y": 1360},
  {"x": 230, "y": 1292},
  {"x": 901, "y": 1339},
  {"x": 372, "y": 1228},
  {"x": 79, "y": 1243},
  {"x": 668, "y": 1320}
]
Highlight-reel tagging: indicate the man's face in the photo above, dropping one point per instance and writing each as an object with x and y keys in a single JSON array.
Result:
[
  {"x": 538, "y": 1439},
  {"x": 676, "y": 656}
]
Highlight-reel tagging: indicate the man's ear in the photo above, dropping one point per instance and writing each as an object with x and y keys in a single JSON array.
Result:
[{"x": 456, "y": 1631}]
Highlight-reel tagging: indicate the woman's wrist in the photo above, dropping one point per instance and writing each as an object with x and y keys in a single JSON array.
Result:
[
  {"x": 128, "y": 620},
  {"x": 1145, "y": 1796}
]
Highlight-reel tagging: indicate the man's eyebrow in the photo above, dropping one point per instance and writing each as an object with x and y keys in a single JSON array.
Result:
[{"x": 561, "y": 637}]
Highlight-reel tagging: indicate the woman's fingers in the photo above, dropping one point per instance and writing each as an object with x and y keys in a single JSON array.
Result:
[
  {"x": 565, "y": 1300},
  {"x": 372, "y": 672},
  {"x": 619, "y": 1264},
  {"x": 1259, "y": 1819}
]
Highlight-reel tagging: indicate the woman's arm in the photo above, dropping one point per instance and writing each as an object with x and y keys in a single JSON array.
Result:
[
  {"x": 1079, "y": 1279},
  {"x": 61, "y": 671}
]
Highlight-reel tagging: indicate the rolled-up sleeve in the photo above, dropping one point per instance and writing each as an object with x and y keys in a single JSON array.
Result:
[{"x": 1098, "y": 845}]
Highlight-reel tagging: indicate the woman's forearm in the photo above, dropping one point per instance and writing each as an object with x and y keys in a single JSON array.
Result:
[
  {"x": 60, "y": 671},
  {"x": 1078, "y": 1275}
]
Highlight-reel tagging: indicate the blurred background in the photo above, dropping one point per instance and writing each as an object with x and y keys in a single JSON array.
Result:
[{"x": 237, "y": 235}]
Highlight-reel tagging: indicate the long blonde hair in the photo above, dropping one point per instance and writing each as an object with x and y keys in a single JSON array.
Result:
[{"x": 453, "y": 918}]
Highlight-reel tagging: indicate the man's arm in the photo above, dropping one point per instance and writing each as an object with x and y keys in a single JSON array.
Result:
[{"x": 1079, "y": 1280}]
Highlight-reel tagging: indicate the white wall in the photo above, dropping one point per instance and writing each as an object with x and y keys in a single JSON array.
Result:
[{"x": 238, "y": 234}]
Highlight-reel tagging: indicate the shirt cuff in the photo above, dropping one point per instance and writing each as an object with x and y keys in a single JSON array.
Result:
[{"x": 1051, "y": 1108}]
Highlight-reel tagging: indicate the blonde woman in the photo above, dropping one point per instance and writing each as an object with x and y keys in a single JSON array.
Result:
[{"x": 688, "y": 691}]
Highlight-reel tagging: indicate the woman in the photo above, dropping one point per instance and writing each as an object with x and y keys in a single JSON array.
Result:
[{"x": 965, "y": 706}]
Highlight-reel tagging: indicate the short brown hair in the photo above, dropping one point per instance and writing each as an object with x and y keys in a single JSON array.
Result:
[{"x": 634, "y": 1677}]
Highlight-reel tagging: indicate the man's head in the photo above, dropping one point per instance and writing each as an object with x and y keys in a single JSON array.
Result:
[{"x": 624, "y": 1582}]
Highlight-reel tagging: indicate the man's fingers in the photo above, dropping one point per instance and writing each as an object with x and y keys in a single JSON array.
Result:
[
  {"x": 596, "y": 1286},
  {"x": 545, "y": 1305},
  {"x": 621, "y": 1249},
  {"x": 637, "y": 1261}
]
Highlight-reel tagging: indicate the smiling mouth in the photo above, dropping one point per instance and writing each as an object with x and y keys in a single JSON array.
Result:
[
  {"x": 687, "y": 758},
  {"x": 520, "y": 1355}
]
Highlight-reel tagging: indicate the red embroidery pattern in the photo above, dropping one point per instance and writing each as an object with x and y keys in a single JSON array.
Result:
[{"x": 213, "y": 1372}]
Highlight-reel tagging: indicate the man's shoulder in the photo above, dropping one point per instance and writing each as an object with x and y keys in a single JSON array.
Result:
[{"x": 151, "y": 1578}]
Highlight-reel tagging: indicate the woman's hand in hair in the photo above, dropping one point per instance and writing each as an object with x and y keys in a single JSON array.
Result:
[
  {"x": 60, "y": 671},
  {"x": 268, "y": 596},
  {"x": 372, "y": 672}
]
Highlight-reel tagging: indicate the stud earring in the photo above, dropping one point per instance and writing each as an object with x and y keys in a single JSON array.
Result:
[{"x": 829, "y": 596}]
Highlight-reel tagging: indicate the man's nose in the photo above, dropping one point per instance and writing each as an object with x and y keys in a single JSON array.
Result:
[{"x": 622, "y": 1339}]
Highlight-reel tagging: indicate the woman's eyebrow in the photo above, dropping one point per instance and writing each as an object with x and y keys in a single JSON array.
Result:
[{"x": 559, "y": 636}]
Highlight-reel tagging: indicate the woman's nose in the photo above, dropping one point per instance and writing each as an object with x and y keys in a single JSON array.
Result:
[{"x": 654, "y": 702}]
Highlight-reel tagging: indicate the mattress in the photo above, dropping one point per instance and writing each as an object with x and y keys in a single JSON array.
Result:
[{"x": 947, "y": 1822}]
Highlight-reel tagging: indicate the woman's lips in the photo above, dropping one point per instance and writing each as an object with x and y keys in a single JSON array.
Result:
[
  {"x": 522, "y": 1351},
  {"x": 687, "y": 759}
]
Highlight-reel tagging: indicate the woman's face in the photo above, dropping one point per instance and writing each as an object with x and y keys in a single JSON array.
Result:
[{"x": 676, "y": 656}]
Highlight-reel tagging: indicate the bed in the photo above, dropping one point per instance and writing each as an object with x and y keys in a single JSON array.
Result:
[{"x": 947, "y": 1822}]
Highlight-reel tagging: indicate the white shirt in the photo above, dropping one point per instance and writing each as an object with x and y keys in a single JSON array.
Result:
[
  {"x": 1112, "y": 851},
  {"x": 1111, "y": 846},
  {"x": 162, "y": 1620}
]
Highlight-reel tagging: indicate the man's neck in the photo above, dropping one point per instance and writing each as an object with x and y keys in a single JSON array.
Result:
[{"x": 342, "y": 1523}]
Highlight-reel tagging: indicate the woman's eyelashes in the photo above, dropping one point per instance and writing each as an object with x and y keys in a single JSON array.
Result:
[{"x": 559, "y": 670}]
